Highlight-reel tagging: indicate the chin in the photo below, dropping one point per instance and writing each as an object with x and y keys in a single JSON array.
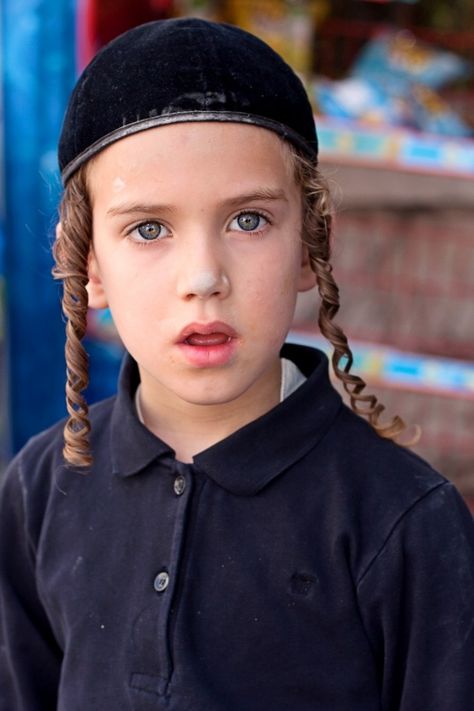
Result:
[{"x": 209, "y": 398}]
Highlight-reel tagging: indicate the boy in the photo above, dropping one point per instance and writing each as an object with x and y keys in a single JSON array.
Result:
[{"x": 230, "y": 537}]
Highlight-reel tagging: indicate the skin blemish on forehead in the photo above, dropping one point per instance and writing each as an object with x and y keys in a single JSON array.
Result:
[{"x": 118, "y": 184}]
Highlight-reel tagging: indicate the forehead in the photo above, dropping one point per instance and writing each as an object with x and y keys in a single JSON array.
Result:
[{"x": 212, "y": 153}]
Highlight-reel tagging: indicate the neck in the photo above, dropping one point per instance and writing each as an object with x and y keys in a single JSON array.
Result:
[{"x": 191, "y": 428}]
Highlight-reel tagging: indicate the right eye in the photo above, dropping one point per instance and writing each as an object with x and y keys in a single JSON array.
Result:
[{"x": 150, "y": 231}]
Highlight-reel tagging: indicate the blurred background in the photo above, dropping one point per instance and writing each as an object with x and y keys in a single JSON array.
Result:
[{"x": 392, "y": 84}]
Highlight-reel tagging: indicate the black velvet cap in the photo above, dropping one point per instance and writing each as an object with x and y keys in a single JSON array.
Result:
[{"x": 173, "y": 71}]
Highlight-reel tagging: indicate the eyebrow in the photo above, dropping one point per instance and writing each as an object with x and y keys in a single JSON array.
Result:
[{"x": 264, "y": 194}]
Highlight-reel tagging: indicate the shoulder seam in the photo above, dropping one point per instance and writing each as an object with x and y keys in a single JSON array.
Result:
[{"x": 396, "y": 524}]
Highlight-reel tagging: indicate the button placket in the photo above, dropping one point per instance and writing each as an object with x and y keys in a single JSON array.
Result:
[{"x": 167, "y": 577}]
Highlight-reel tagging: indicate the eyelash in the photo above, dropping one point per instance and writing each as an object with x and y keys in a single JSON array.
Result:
[{"x": 146, "y": 243}]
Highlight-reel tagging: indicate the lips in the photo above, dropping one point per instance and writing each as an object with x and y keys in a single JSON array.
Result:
[
  {"x": 206, "y": 334},
  {"x": 206, "y": 345}
]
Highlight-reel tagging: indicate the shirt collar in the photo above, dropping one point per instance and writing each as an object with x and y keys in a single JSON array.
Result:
[
  {"x": 133, "y": 446},
  {"x": 251, "y": 457}
]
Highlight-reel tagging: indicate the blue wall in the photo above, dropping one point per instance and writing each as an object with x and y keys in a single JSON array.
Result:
[{"x": 38, "y": 58}]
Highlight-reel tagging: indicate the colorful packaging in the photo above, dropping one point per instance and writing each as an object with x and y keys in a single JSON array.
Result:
[
  {"x": 361, "y": 100},
  {"x": 433, "y": 115},
  {"x": 393, "y": 82},
  {"x": 398, "y": 59}
]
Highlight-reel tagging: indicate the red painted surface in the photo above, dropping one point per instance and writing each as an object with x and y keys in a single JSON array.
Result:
[{"x": 102, "y": 20}]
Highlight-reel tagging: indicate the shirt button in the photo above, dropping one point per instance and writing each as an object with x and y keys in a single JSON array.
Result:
[
  {"x": 179, "y": 485},
  {"x": 161, "y": 581}
]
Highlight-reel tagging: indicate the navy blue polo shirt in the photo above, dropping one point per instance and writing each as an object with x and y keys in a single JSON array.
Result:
[{"x": 303, "y": 563}]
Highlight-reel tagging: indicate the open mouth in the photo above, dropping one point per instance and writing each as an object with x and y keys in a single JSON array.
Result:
[
  {"x": 207, "y": 339},
  {"x": 208, "y": 344},
  {"x": 214, "y": 333}
]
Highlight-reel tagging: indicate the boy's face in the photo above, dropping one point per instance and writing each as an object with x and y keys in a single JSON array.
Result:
[{"x": 197, "y": 252}]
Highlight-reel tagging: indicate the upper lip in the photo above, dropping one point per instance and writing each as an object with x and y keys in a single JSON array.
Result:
[{"x": 205, "y": 329}]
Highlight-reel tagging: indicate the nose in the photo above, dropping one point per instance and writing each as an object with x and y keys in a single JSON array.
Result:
[
  {"x": 204, "y": 284},
  {"x": 202, "y": 277}
]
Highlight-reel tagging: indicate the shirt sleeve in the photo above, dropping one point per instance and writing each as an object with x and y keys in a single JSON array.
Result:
[
  {"x": 417, "y": 605},
  {"x": 30, "y": 657}
]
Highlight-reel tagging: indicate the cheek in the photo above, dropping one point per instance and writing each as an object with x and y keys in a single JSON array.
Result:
[
  {"x": 278, "y": 278},
  {"x": 270, "y": 293},
  {"x": 131, "y": 280},
  {"x": 134, "y": 300}
]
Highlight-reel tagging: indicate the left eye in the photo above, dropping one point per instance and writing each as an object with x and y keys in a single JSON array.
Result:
[{"x": 248, "y": 222}]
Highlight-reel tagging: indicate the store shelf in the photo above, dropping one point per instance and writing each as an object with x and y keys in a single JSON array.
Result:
[
  {"x": 412, "y": 372},
  {"x": 348, "y": 142}
]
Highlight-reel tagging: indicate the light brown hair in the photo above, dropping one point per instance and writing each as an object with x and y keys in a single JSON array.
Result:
[{"x": 71, "y": 252}]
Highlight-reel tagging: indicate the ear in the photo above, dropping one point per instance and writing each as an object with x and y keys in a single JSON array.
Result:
[
  {"x": 307, "y": 278},
  {"x": 95, "y": 287}
]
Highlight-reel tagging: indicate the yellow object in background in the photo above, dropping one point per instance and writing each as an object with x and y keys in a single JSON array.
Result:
[
  {"x": 286, "y": 25},
  {"x": 206, "y": 9}
]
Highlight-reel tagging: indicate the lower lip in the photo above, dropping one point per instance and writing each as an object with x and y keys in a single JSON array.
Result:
[{"x": 209, "y": 356}]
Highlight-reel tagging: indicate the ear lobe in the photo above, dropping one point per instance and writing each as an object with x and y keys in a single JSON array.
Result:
[
  {"x": 95, "y": 287},
  {"x": 307, "y": 278}
]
